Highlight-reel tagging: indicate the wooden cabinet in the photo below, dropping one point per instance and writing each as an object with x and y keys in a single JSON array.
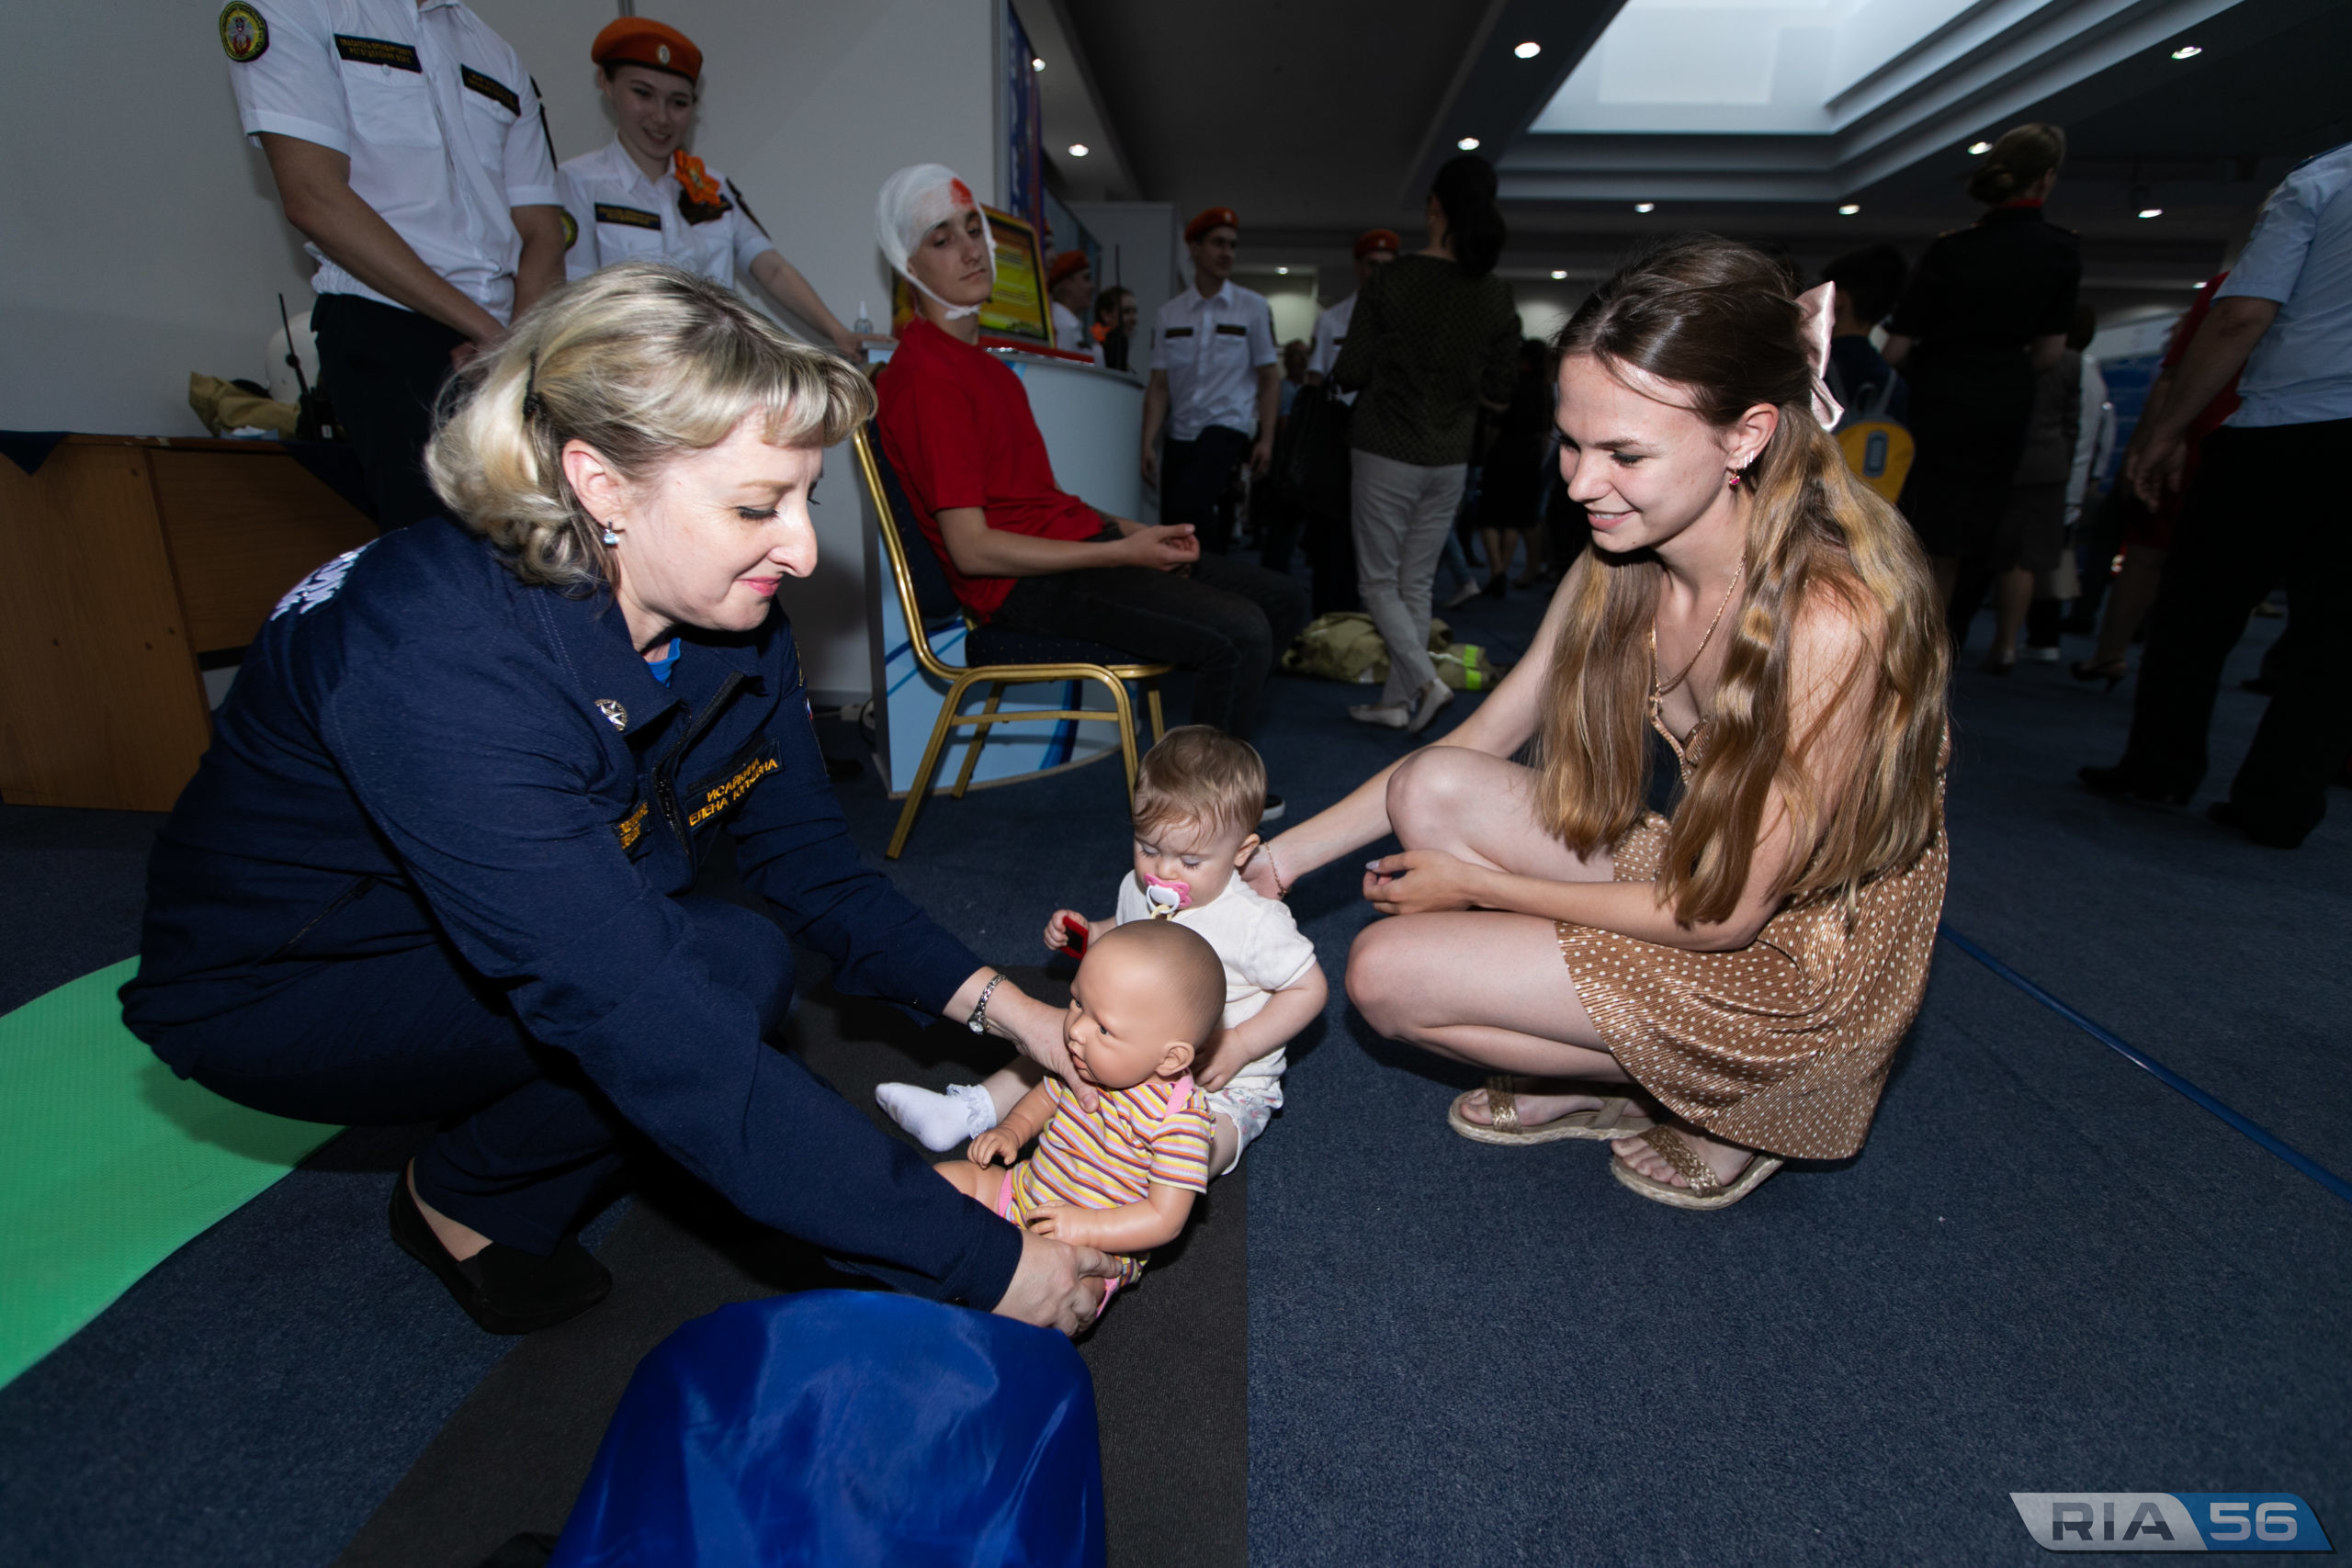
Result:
[{"x": 123, "y": 559}]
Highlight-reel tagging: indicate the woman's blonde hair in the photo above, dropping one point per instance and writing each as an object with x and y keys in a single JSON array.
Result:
[
  {"x": 2022, "y": 156},
  {"x": 1716, "y": 319},
  {"x": 641, "y": 362}
]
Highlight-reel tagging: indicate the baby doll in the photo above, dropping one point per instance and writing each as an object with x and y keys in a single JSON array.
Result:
[
  {"x": 1198, "y": 795},
  {"x": 1121, "y": 1176}
]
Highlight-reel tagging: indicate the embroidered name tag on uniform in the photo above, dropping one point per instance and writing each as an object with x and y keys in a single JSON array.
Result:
[
  {"x": 1180, "y": 332},
  {"x": 491, "y": 87},
  {"x": 378, "y": 52},
  {"x": 631, "y": 827},
  {"x": 628, "y": 217},
  {"x": 1231, "y": 329},
  {"x": 318, "y": 587},
  {"x": 706, "y": 800}
]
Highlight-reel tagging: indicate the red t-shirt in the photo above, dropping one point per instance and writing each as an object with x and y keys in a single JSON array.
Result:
[{"x": 956, "y": 426}]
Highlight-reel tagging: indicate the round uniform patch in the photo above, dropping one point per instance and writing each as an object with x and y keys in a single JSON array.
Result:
[
  {"x": 571, "y": 229},
  {"x": 244, "y": 37}
]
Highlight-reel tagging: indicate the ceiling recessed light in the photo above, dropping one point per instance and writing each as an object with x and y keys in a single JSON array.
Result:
[
  {"x": 1646, "y": 207},
  {"x": 1468, "y": 145},
  {"x": 1283, "y": 271},
  {"x": 1850, "y": 210},
  {"x": 1037, "y": 62},
  {"x": 1559, "y": 276},
  {"x": 2187, "y": 51},
  {"x": 2152, "y": 212},
  {"x": 1079, "y": 149},
  {"x": 1978, "y": 149},
  {"x": 1529, "y": 50},
  {"x": 2197, "y": 286}
]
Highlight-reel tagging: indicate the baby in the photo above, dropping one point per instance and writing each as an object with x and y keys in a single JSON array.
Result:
[
  {"x": 1198, "y": 796},
  {"x": 1122, "y": 1176}
]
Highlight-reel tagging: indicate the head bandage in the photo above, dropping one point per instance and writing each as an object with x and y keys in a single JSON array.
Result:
[{"x": 914, "y": 201}]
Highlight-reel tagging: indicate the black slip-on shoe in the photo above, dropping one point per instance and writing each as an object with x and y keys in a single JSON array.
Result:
[
  {"x": 503, "y": 1288},
  {"x": 2117, "y": 785},
  {"x": 2228, "y": 816}
]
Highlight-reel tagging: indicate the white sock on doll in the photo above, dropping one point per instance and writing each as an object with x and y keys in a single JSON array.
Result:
[{"x": 939, "y": 1121}]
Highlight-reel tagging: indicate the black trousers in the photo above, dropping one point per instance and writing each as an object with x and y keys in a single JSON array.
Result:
[
  {"x": 526, "y": 1144},
  {"x": 1193, "y": 478},
  {"x": 1226, "y": 621},
  {"x": 382, "y": 367},
  {"x": 2267, "y": 506}
]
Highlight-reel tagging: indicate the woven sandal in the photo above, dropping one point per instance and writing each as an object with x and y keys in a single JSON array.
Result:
[
  {"x": 1706, "y": 1189},
  {"x": 1611, "y": 1120}
]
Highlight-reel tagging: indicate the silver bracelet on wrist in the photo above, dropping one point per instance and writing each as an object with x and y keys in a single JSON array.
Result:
[{"x": 979, "y": 1023}]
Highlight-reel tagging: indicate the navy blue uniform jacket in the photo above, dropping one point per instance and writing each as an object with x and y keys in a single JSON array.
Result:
[{"x": 421, "y": 747}]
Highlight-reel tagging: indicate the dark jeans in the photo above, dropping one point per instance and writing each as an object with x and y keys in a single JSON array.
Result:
[
  {"x": 2267, "y": 506},
  {"x": 1226, "y": 621},
  {"x": 382, "y": 367},
  {"x": 526, "y": 1144},
  {"x": 1193, "y": 478}
]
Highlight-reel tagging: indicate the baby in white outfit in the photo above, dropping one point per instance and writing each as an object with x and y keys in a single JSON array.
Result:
[{"x": 1198, "y": 796}]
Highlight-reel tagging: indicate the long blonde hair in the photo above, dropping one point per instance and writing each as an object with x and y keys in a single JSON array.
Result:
[
  {"x": 641, "y": 362},
  {"x": 1717, "y": 318}
]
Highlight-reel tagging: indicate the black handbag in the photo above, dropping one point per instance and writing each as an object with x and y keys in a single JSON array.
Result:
[{"x": 1311, "y": 462}]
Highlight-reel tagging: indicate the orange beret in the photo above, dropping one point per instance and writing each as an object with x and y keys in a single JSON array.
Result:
[
  {"x": 1064, "y": 265},
  {"x": 1372, "y": 239},
  {"x": 1210, "y": 218},
  {"x": 638, "y": 40}
]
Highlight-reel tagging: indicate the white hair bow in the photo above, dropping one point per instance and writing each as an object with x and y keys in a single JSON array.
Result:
[{"x": 1818, "y": 309}]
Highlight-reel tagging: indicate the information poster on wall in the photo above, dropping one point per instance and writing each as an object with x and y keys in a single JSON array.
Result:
[{"x": 1023, "y": 124}]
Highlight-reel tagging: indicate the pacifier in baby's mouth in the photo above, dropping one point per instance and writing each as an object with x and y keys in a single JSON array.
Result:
[{"x": 1165, "y": 898}]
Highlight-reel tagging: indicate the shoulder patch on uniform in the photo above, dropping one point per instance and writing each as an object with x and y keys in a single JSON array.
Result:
[
  {"x": 571, "y": 229},
  {"x": 378, "y": 52},
  {"x": 628, "y": 217},
  {"x": 244, "y": 37},
  {"x": 320, "y": 586},
  {"x": 491, "y": 87}
]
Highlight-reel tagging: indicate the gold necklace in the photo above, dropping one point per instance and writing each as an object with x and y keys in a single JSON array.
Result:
[{"x": 1658, "y": 692}]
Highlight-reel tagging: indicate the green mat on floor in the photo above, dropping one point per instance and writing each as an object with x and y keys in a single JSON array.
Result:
[{"x": 109, "y": 1163}]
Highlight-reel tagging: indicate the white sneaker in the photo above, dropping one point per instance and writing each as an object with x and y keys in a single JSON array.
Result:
[
  {"x": 1388, "y": 715},
  {"x": 2037, "y": 655},
  {"x": 1463, "y": 595},
  {"x": 1433, "y": 700}
]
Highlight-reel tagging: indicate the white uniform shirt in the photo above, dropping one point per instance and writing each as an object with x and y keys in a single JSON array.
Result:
[
  {"x": 2094, "y": 442},
  {"x": 2300, "y": 254},
  {"x": 1330, "y": 332},
  {"x": 1211, "y": 350},
  {"x": 1070, "y": 332},
  {"x": 1256, "y": 940},
  {"x": 622, "y": 216},
  {"x": 436, "y": 112}
]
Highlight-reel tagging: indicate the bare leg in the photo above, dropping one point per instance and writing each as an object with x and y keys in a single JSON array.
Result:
[
  {"x": 460, "y": 1241},
  {"x": 1491, "y": 989},
  {"x": 1481, "y": 809},
  {"x": 981, "y": 1183},
  {"x": 1010, "y": 1082},
  {"x": 1223, "y": 1145},
  {"x": 2013, "y": 597}
]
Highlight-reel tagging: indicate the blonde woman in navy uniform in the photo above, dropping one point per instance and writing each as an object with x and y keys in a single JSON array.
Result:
[
  {"x": 642, "y": 196},
  {"x": 407, "y": 144}
]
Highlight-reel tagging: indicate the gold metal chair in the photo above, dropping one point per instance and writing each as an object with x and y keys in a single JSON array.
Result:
[{"x": 924, "y": 597}]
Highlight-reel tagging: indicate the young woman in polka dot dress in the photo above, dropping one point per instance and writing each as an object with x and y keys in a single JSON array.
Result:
[{"x": 1720, "y": 878}]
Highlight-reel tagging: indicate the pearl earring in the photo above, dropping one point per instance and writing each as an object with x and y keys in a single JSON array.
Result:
[{"x": 611, "y": 538}]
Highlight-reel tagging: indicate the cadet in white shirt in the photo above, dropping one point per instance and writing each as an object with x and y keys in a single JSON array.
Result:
[
  {"x": 642, "y": 196},
  {"x": 1070, "y": 281},
  {"x": 407, "y": 144},
  {"x": 1216, "y": 383},
  {"x": 1372, "y": 247}
]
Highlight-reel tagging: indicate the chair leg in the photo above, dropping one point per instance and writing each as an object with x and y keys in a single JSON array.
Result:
[
  {"x": 1151, "y": 698},
  {"x": 921, "y": 784},
  {"x": 980, "y": 739},
  {"x": 1127, "y": 716}
]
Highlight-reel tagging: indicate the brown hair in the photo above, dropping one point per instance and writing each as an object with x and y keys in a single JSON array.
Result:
[
  {"x": 2022, "y": 156},
  {"x": 1200, "y": 775},
  {"x": 1715, "y": 317},
  {"x": 1182, "y": 960}
]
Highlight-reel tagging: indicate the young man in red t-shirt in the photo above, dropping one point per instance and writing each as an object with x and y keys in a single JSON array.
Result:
[{"x": 1019, "y": 551}]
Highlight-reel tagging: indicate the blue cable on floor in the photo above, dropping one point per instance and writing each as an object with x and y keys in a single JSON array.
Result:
[{"x": 2165, "y": 1076}]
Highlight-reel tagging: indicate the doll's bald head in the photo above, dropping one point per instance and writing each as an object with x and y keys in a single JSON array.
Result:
[{"x": 1147, "y": 1001}]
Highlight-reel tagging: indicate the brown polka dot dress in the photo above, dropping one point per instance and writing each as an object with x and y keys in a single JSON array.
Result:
[{"x": 1783, "y": 1045}]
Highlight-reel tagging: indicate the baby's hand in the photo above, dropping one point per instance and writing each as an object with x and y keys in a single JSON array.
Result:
[
  {"x": 1063, "y": 1221},
  {"x": 1226, "y": 1056},
  {"x": 1063, "y": 924},
  {"x": 994, "y": 1146}
]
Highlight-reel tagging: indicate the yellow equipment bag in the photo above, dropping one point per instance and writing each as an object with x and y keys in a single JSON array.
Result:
[{"x": 1880, "y": 452}]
